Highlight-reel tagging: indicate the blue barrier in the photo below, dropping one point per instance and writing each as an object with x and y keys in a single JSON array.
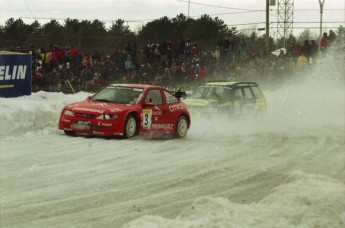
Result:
[{"x": 15, "y": 74}]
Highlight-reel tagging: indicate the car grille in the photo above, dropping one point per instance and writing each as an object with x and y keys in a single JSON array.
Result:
[{"x": 86, "y": 116}]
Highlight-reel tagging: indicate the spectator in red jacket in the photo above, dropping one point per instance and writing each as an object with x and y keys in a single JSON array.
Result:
[
  {"x": 296, "y": 50},
  {"x": 73, "y": 52},
  {"x": 324, "y": 42}
]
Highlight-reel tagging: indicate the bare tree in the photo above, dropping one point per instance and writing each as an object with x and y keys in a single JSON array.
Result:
[{"x": 307, "y": 35}]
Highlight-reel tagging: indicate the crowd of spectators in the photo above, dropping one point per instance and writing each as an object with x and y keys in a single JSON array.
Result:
[{"x": 170, "y": 64}]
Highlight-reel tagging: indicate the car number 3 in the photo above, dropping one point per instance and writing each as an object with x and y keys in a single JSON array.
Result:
[{"x": 147, "y": 116}]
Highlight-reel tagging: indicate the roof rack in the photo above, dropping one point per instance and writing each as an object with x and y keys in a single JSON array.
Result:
[
  {"x": 245, "y": 83},
  {"x": 235, "y": 83}
]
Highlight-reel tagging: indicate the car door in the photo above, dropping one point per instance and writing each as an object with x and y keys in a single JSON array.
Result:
[
  {"x": 248, "y": 103},
  {"x": 225, "y": 101},
  {"x": 260, "y": 102},
  {"x": 231, "y": 102},
  {"x": 156, "y": 114},
  {"x": 237, "y": 101}
]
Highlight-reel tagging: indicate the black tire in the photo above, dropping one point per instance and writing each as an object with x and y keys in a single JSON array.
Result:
[
  {"x": 70, "y": 133},
  {"x": 181, "y": 127},
  {"x": 131, "y": 127}
]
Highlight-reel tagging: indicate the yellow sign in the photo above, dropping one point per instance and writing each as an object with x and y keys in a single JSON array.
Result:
[{"x": 6, "y": 86}]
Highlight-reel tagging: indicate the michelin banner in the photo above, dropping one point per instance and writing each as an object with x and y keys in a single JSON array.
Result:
[{"x": 15, "y": 74}]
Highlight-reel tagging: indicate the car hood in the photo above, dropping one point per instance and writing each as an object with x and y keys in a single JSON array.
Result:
[{"x": 96, "y": 107}]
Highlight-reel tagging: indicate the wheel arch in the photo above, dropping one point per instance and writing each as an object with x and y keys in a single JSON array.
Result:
[
  {"x": 136, "y": 115},
  {"x": 177, "y": 133},
  {"x": 187, "y": 116},
  {"x": 126, "y": 117}
]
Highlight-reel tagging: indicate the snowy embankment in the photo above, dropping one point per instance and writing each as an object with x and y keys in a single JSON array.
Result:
[{"x": 33, "y": 113}]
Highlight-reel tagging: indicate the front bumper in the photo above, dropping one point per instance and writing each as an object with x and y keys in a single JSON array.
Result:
[{"x": 91, "y": 126}]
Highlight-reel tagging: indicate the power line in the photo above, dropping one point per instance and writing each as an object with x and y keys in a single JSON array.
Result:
[
  {"x": 217, "y": 6},
  {"x": 300, "y": 27},
  {"x": 250, "y": 23},
  {"x": 251, "y": 10},
  {"x": 319, "y": 9},
  {"x": 299, "y": 22},
  {"x": 220, "y": 14},
  {"x": 311, "y": 22}
]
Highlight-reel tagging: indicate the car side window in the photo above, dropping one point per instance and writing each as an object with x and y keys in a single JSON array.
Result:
[
  {"x": 154, "y": 96},
  {"x": 238, "y": 93},
  {"x": 215, "y": 92},
  {"x": 170, "y": 98},
  {"x": 227, "y": 92},
  {"x": 257, "y": 92},
  {"x": 220, "y": 92},
  {"x": 200, "y": 92},
  {"x": 248, "y": 93}
]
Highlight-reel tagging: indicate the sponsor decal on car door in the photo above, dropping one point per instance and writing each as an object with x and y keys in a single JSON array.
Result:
[{"x": 156, "y": 118}]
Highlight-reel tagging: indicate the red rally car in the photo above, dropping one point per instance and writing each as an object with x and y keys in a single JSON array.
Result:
[{"x": 127, "y": 110}]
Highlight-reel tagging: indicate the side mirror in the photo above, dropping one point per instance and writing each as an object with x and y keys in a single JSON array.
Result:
[
  {"x": 148, "y": 104},
  {"x": 88, "y": 98}
]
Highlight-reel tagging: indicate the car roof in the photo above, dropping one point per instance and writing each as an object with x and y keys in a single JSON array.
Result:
[
  {"x": 220, "y": 83},
  {"x": 229, "y": 83},
  {"x": 139, "y": 86}
]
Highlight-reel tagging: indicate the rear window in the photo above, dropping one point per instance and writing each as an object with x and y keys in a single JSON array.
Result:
[{"x": 257, "y": 92}]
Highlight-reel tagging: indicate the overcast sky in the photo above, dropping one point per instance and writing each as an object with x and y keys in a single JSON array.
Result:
[{"x": 139, "y": 12}]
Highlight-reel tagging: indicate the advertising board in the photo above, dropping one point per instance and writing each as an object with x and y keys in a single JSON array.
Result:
[{"x": 15, "y": 74}]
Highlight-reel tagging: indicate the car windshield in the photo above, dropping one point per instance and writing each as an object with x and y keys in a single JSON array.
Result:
[
  {"x": 119, "y": 94},
  {"x": 211, "y": 92}
]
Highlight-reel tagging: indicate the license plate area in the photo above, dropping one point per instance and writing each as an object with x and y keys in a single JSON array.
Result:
[{"x": 81, "y": 125}]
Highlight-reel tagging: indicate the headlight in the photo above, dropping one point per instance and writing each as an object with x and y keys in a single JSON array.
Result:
[
  {"x": 68, "y": 113},
  {"x": 107, "y": 117}
]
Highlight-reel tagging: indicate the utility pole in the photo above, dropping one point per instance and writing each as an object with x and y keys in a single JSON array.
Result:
[
  {"x": 285, "y": 20},
  {"x": 267, "y": 27},
  {"x": 188, "y": 8},
  {"x": 321, "y": 11}
]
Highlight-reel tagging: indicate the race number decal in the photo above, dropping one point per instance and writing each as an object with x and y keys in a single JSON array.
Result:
[{"x": 147, "y": 117}]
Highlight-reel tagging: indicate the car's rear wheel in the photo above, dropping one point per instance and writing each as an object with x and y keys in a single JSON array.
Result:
[
  {"x": 181, "y": 127},
  {"x": 130, "y": 127},
  {"x": 70, "y": 133}
]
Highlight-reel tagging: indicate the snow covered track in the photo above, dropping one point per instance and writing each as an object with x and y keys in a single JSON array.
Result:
[{"x": 285, "y": 171}]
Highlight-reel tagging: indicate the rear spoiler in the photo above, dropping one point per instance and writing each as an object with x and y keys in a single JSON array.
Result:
[{"x": 180, "y": 94}]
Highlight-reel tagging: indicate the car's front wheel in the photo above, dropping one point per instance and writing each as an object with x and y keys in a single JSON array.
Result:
[
  {"x": 181, "y": 127},
  {"x": 130, "y": 127}
]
